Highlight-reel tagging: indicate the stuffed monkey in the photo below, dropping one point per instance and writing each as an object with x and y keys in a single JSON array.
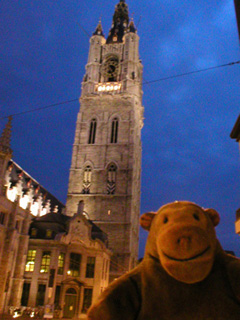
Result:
[{"x": 185, "y": 274}]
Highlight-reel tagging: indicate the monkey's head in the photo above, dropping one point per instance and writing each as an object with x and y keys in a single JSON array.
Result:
[{"x": 183, "y": 238}]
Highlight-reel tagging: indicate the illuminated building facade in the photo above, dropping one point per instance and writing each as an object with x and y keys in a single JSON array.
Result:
[
  {"x": 46, "y": 257},
  {"x": 106, "y": 159}
]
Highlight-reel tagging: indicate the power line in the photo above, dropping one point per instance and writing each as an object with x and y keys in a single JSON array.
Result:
[
  {"x": 192, "y": 72},
  {"x": 41, "y": 108},
  {"x": 145, "y": 82}
]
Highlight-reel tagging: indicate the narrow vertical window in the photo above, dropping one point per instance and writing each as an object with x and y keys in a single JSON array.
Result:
[
  {"x": 25, "y": 294},
  {"x": 111, "y": 179},
  {"x": 57, "y": 295},
  {"x": 74, "y": 265},
  {"x": 87, "y": 178},
  {"x": 2, "y": 217},
  {"x": 92, "y": 132},
  {"x": 87, "y": 299},
  {"x": 114, "y": 131},
  {"x": 31, "y": 255},
  {"x": 90, "y": 267},
  {"x": 40, "y": 295},
  {"x": 61, "y": 260},
  {"x": 46, "y": 257}
]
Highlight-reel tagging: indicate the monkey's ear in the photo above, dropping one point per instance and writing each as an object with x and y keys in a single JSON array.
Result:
[
  {"x": 213, "y": 215},
  {"x": 146, "y": 220}
]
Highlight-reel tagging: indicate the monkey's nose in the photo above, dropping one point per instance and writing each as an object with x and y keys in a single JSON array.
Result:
[{"x": 184, "y": 242}]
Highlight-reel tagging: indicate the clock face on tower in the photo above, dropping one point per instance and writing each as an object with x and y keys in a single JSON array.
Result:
[{"x": 110, "y": 69}]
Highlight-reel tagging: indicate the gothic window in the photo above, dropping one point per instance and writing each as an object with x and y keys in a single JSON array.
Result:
[
  {"x": 114, "y": 131},
  {"x": 90, "y": 267},
  {"x": 92, "y": 132},
  {"x": 111, "y": 179},
  {"x": 87, "y": 177},
  {"x": 46, "y": 256},
  {"x": 74, "y": 265},
  {"x": 31, "y": 255}
]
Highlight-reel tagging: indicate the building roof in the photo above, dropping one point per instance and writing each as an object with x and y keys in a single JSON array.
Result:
[
  {"x": 235, "y": 134},
  {"x": 29, "y": 184},
  {"x": 53, "y": 224},
  {"x": 237, "y": 9},
  {"x": 99, "y": 30},
  {"x": 120, "y": 23}
]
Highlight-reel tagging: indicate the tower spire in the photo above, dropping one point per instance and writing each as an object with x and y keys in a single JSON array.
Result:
[
  {"x": 6, "y": 137},
  {"x": 99, "y": 29},
  {"x": 119, "y": 23}
]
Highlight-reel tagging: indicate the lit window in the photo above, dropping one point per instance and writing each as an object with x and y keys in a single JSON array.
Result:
[
  {"x": 33, "y": 232},
  {"x": 24, "y": 201},
  {"x": 74, "y": 265},
  {"x": 34, "y": 208},
  {"x": 31, "y": 255},
  {"x": 46, "y": 257},
  {"x": 87, "y": 299},
  {"x": 92, "y": 132},
  {"x": 111, "y": 179},
  {"x": 90, "y": 267},
  {"x": 61, "y": 260},
  {"x": 12, "y": 194},
  {"x": 114, "y": 131},
  {"x": 87, "y": 177},
  {"x": 48, "y": 233}
]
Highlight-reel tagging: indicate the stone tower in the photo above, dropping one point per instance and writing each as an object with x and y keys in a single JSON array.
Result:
[{"x": 106, "y": 159}]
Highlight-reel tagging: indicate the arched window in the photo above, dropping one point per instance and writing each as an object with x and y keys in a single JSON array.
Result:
[
  {"x": 114, "y": 131},
  {"x": 92, "y": 131},
  {"x": 110, "y": 69},
  {"x": 111, "y": 179},
  {"x": 87, "y": 178}
]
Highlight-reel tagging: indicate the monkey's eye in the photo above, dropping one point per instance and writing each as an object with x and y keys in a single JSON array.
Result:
[
  {"x": 165, "y": 220},
  {"x": 196, "y": 216}
]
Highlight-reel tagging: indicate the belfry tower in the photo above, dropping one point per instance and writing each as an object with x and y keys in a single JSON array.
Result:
[{"x": 106, "y": 159}]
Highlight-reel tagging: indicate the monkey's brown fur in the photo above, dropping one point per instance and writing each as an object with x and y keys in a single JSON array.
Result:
[{"x": 185, "y": 274}]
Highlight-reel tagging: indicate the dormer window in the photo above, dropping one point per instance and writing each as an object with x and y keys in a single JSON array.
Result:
[
  {"x": 48, "y": 233},
  {"x": 33, "y": 232}
]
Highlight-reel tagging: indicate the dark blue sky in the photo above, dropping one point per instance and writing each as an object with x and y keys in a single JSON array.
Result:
[{"x": 187, "y": 151}]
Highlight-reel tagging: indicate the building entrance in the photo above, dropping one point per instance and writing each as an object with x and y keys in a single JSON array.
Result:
[{"x": 70, "y": 303}]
